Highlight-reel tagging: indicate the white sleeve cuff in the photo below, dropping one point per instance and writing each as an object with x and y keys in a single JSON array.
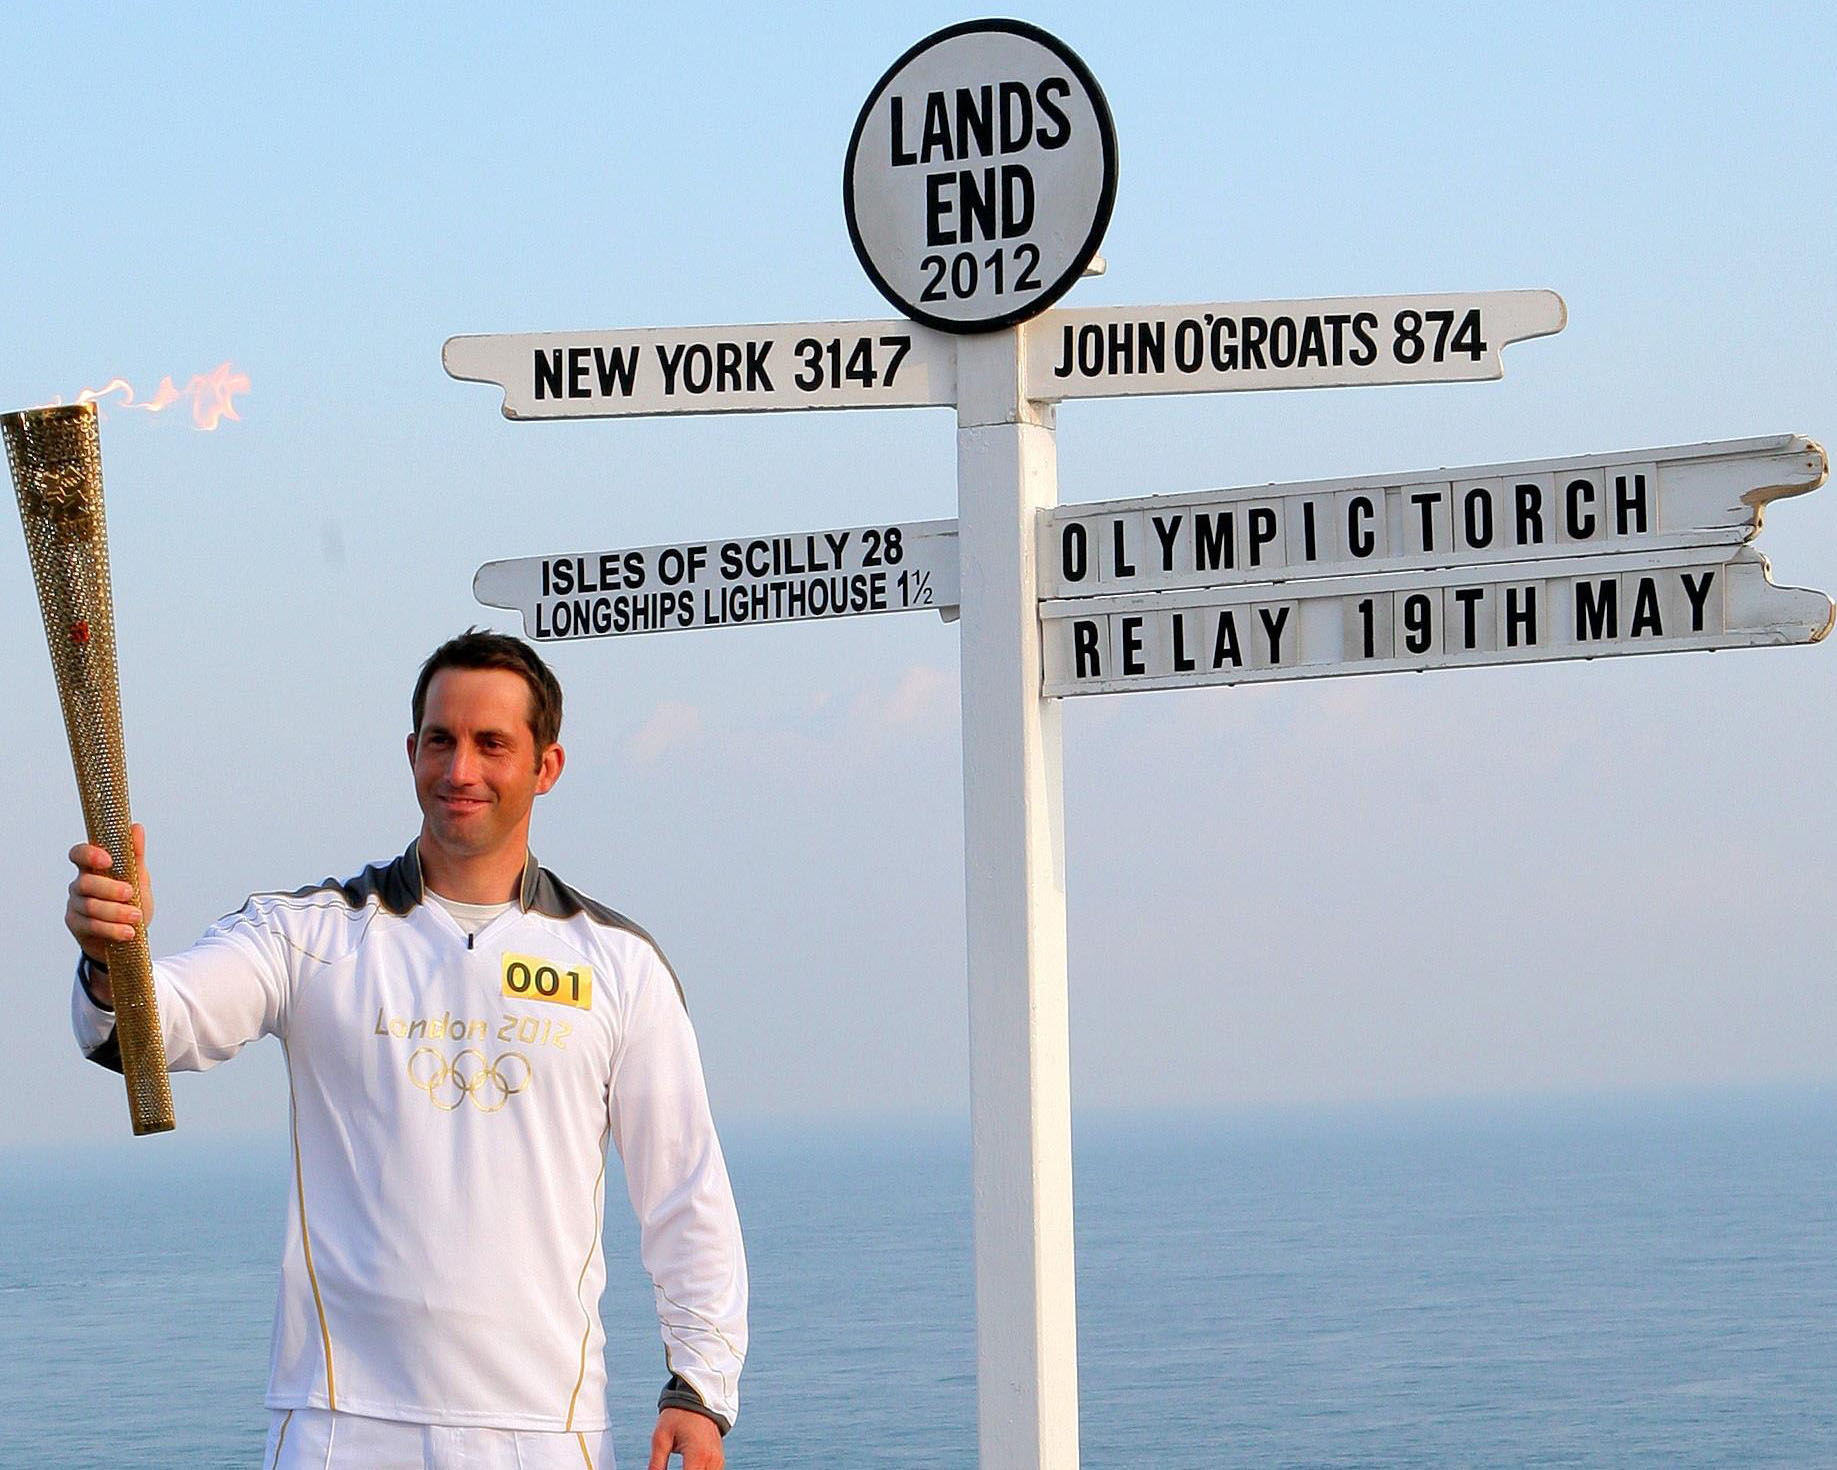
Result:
[{"x": 89, "y": 1021}]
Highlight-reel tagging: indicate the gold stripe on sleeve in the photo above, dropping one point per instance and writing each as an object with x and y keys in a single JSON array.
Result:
[
  {"x": 593, "y": 1244},
  {"x": 306, "y": 1240}
]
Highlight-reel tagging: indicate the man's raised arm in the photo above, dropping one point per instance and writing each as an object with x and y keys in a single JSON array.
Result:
[{"x": 225, "y": 991}]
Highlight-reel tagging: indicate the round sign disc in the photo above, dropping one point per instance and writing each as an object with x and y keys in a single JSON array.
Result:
[{"x": 980, "y": 176}]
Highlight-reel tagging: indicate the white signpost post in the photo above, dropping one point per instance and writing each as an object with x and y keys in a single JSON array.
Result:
[{"x": 978, "y": 182}]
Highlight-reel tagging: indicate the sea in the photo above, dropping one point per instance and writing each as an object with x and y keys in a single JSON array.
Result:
[{"x": 1605, "y": 1281}]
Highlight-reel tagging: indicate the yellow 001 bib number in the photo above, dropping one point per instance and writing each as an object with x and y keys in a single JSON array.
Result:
[{"x": 529, "y": 978}]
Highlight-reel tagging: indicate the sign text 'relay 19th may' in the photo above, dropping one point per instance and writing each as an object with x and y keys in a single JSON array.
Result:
[{"x": 1581, "y": 607}]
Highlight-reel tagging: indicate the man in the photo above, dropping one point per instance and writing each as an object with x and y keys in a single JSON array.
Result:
[{"x": 464, "y": 1033}]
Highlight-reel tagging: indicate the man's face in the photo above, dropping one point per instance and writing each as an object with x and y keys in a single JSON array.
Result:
[{"x": 477, "y": 770}]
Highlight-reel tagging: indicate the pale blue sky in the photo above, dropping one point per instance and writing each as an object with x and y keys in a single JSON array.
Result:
[{"x": 1572, "y": 877}]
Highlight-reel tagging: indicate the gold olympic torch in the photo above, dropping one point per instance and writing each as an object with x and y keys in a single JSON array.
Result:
[{"x": 56, "y": 456}]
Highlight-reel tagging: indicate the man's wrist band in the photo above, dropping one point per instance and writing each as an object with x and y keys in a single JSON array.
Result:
[{"x": 85, "y": 968}]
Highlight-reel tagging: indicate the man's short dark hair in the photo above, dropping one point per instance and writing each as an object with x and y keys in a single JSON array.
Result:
[{"x": 478, "y": 649}]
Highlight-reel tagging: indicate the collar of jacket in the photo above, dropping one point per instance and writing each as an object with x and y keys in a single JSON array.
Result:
[{"x": 403, "y": 881}]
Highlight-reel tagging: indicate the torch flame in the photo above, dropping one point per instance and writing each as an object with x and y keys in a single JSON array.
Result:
[{"x": 212, "y": 395}]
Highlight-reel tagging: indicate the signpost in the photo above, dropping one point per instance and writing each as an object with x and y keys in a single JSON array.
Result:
[{"x": 979, "y": 179}]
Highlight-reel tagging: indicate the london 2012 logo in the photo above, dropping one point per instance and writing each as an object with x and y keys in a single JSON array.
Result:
[{"x": 488, "y": 1083}]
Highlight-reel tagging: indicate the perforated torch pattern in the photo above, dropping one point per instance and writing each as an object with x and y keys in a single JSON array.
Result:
[{"x": 56, "y": 458}]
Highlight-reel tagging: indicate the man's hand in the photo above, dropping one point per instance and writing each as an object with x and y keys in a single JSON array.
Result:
[
  {"x": 102, "y": 910},
  {"x": 684, "y": 1432}
]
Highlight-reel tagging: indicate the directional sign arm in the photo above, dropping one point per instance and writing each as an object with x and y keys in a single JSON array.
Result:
[
  {"x": 729, "y": 582},
  {"x": 1221, "y": 347},
  {"x": 1584, "y": 607},
  {"x": 1528, "y": 510},
  {"x": 735, "y": 369}
]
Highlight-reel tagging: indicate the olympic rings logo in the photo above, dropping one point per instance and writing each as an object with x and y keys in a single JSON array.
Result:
[{"x": 470, "y": 1075}]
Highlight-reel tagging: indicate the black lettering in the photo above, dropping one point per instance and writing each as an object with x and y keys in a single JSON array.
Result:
[
  {"x": 901, "y": 154},
  {"x": 1016, "y": 200},
  {"x": 1166, "y": 531},
  {"x": 1337, "y": 321},
  {"x": 1360, "y": 541},
  {"x": 1255, "y": 332},
  {"x": 1016, "y": 117},
  {"x": 1521, "y": 618},
  {"x": 1697, "y": 595},
  {"x": 1530, "y": 498},
  {"x": 1579, "y": 493},
  {"x": 727, "y": 367},
  {"x": 1086, "y": 659},
  {"x": 1074, "y": 552},
  {"x": 1273, "y": 627},
  {"x": 548, "y": 373},
  {"x": 1307, "y": 529},
  {"x": 1121, "y": 565},
  {"x": 1064, "y": 368},
  {"x": 1469, "y": 599},
  {"x": 758, "y": 380},
  {"x": 1646, "y": 617},
  {"x": 616, "y": 368},
  {"x": 936, "y": 139},
  {"x": 1183, "y": 661},
  {"x": 1132, "y": 646},
  {"x": 1313, "y": 344},
  {"x": 1060, "y": 133},
  {"x": 977, "y": 201},
  {"x": 938, "y": 230},
  {"x": 1189, "y": 345},
  {"x": 1090, "y": 350},
  {"x": 1224, "y": 344},
  {"x": 1597, "y": 609},
  {"x": 1477, "y": 511},
  {"x": 1151, "y": 346},
  {"x": 1122, "y": 347},
  {"x": 1260, "y": 529},
  {"x": 669, "y": 362},
  {"x": 1630, "y": 501},
  {"x": 579, "y": 358},
  {"x": 1282, "y": 342},
  {"x": 1426, "y": 501},
  {"x": 1213, "y": 542},
  {"x": 1366, "y": 352},
  {"x": 1224, "y": 647},
  {"x": 1418, "y": 623},
  {"x": 975, "y": 121}
]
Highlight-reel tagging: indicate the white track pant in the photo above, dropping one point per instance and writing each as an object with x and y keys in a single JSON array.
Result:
[{"x": 312, "y": 1439}]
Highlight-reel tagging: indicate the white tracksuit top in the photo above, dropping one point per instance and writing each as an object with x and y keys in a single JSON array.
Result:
[{"x": 452, "y": 1101}]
